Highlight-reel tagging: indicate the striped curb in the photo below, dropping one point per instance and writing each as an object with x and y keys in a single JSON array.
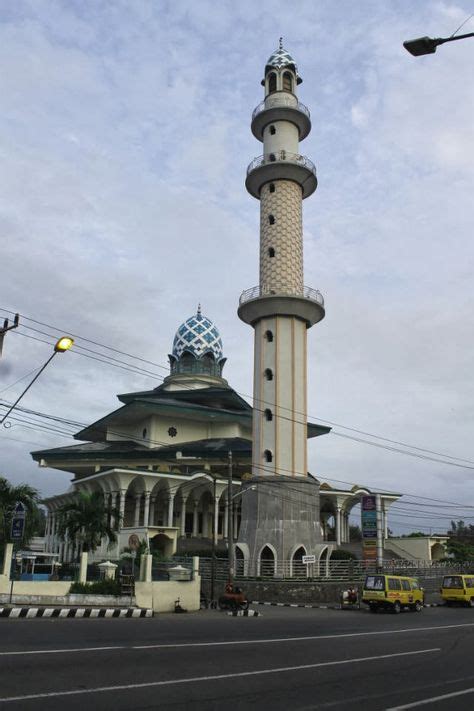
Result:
[
  {"x": 88, "y": 612},
  {"x": 244, "y": 613},
  {"x": 295, "y": 604}
]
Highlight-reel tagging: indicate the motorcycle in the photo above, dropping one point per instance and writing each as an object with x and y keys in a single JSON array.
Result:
[{"x": 234, "y": 599}]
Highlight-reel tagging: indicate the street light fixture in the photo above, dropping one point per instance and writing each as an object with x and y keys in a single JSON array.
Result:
[
  {"x": 61, "y": 346},
  {"x": 427, "y": 45}
]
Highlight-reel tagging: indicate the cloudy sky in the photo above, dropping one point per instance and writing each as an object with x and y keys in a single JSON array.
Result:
[{"x": 124, "y": 135}]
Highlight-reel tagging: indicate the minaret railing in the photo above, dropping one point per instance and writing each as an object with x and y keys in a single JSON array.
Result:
[
  {"x": 257, "y": 292},
  {"x": 278, "y": 101},
  {"x": 284, "y": 157}
]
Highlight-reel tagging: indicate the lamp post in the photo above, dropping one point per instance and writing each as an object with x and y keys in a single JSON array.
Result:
[
  {"x": 428, "y": 45},
  {"x": 62, "y": 345}
]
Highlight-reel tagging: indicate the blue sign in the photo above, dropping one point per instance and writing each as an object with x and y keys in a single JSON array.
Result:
[
  {"x": 18, "y": 528},
  {"x": 369, "y": 533},
  {"x": 18, "y": 522}
]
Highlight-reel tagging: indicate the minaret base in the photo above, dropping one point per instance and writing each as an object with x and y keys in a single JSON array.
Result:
[{"x": 282, "y": 514}]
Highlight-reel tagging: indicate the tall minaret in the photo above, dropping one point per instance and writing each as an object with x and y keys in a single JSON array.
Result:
[{"x": 277, "y": 518}]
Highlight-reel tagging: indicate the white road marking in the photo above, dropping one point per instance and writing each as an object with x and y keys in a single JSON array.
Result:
[
  {"x": 278, "y": 640},
  {"x": 433, "y": 699},
  {"x": 215, "y": 677}
]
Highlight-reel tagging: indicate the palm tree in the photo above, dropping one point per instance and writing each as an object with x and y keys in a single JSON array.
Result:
[
  {"x": 87, "y": 519},
  {"x": 9, "y": 496}
]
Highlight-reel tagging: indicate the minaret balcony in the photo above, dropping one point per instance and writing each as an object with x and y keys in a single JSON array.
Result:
[
  {"x": 281, "y": 107},
  {"x": 281, "y": 165},
  {"x": 264, "y": 302}
]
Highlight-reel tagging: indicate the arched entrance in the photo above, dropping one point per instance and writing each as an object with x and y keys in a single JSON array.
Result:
[
  {"x": 297, "y": 566},
  {"x": 267, "y": 562},
  {"x": 162, "y": 545}
]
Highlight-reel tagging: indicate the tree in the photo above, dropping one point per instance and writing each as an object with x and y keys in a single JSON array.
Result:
[
  {"x": 460, "y": 545},
  {"x": 355, "y": 534},
  {"x": 87, "y": 520},
  {"x": 9, "y": 496}
]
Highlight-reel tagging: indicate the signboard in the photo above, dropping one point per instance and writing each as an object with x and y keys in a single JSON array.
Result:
[
  {"x": 368, "y": 507},
  {"x": 307, "y": 559},
  {"x": 18, "y": 522}
]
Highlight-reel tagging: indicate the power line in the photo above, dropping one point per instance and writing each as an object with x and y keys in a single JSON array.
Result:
[{"x": 352, "y": 429}]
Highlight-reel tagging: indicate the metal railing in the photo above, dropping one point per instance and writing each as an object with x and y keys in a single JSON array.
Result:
[
  {"x": 277, "y": 101},
  {"x": 163, "y": 570},
  {"x": 305, "y": 292},
  {"x": 282, "y": 157}
]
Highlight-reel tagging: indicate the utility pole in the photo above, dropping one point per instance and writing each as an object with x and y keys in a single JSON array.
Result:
[
  {"x": 7, "y": 327},
  {"x": 230, "y": 519}
]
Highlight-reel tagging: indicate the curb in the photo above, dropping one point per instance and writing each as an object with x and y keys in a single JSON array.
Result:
[
  {"x": 245, "y": 613},
  {"x": 295, "y": 604},
  {"x": 89, "y": 612}
]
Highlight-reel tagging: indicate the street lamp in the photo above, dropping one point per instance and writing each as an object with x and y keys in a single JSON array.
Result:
[
  {"x": 61, "y": 346},
  {"x": 427, "y": 45}
]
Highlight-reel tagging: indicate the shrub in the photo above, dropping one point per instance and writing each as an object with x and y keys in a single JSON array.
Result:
[
  {"x": 342, "y": 554},
  {"x": 100, "y": 587}
]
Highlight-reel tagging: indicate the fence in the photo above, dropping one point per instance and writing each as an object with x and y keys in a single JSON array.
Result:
[
  {"x": 178, "y": 569},
  {"x": 332, "y": 570}
]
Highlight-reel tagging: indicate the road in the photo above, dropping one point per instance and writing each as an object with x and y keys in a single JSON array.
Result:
[{"x": 287, "y": 659}]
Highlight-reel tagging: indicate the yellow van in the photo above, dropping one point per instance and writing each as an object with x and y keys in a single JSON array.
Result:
[
  {"x": 458, "y": 588},
  {"x": 392, "y": 592}
]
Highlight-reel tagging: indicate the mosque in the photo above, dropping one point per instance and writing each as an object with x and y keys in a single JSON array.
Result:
[{"x": 165, "y": 457}]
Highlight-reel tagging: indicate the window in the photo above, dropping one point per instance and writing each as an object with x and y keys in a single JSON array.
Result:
[
  {"x": 268, "y": 415},
  {"x": 374, "y": 582},
  {"x": 271, "y": 219},
  {"x": 268, "y": 455},
  {"x": 272, "y": 83},
  {"x": 272, "y": 188},
  {"x": 454, "y": 582},
  {"x": 268, "y": 374},
  {"x": 406, "y": 585},
  {"x": 273, "y": 130},
  {"x": 394, "y": 584},
  {"x": 269, "y": 336},
  {"x": 271, "y": 252},
  {"x": 287, "y": 82},
  {"x": 272, "y": 158}
]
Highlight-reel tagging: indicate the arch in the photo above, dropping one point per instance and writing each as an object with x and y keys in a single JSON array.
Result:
[
  {"x": 267, "y": 560},
  {"x": 161, "y": 544},
  {"x": 287, "y": 82},
  {"x": 297, "y": 568},
  {"x": 268, "y": 414},
  {"x": 272, "y": 83},
  {"x": 323, "y": 561},
  {"x": 268, "y": 456},
  {"x": 268, "y": 374}
]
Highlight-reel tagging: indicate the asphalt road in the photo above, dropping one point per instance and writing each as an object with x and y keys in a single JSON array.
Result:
[{"x": 291, "y": 659}]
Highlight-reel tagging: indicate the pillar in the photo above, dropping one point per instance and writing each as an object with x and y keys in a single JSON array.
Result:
[
  {"x": 236, "y": 521},
  {"x": 216, "y": 518},
  {"x": 136, "y": 520},
  {"x": 7, "y": 559},
  {"x": 123, "y": 494},
  {"x": 195, "y": 519},
  {"x": 146, "y": 510},
  {"x": 83, "y": 567},
  {"x": 170, "y": 510},
  {"x": 337, "y": 520},
  {"x": 182, "y": 519}
]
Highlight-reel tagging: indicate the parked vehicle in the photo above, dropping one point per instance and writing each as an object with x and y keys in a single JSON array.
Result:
[
  {"x": 393, "y": 593},
  {"x": 234, "y": 598},
  {"x": 350, "y": 598},
  {"x": 458, "y": 589}
]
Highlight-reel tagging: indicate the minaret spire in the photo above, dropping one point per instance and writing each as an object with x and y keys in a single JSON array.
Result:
[{"x": 280, "y": 309}]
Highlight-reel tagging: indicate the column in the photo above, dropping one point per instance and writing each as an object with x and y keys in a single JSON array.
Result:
[
  {"x": 113, "y": 503},
  {"x": 182, "y": 519},
  {"x": 136, "y": 520},
  {"x": 146, "y": 509},
  {"x": 337, "y": 519},
  {"x": 385, "y": 522},
  {"x": 53, "y": 532},
  {"x": 123, "y": 494},
  {"x": 151, "y": 519},
  {"x": 170, "y": 510},
  {"x": 205, "y": 521},
  {"x": 195, "y": 519}
]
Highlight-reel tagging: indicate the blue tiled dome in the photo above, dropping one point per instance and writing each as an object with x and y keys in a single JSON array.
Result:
[{"x": 198, "y": 336}]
